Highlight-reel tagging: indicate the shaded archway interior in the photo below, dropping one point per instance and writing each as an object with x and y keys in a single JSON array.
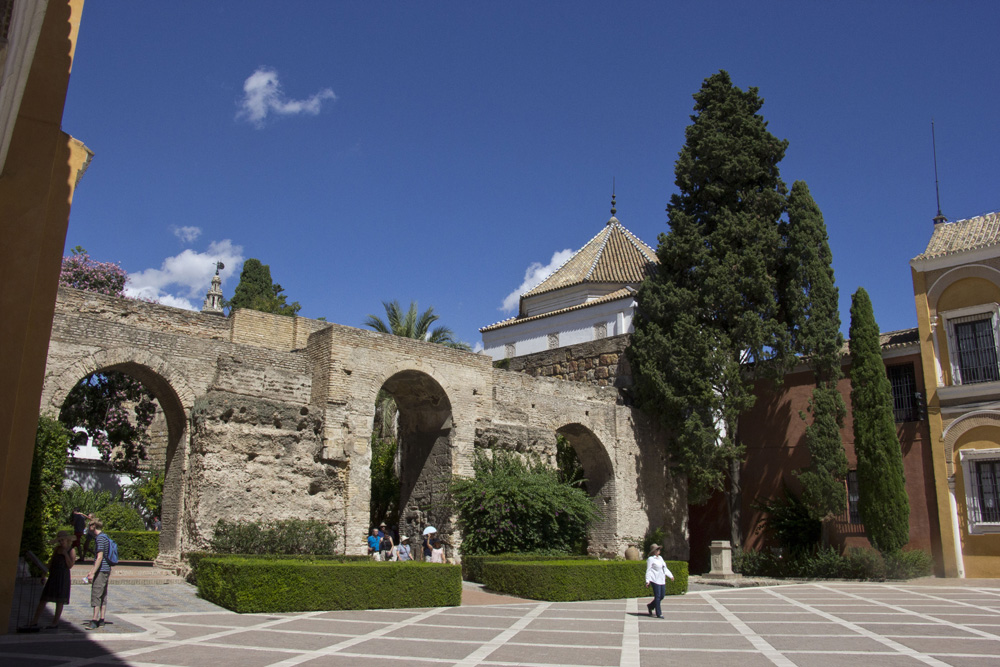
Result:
[
  {"x": 598, "y": 471},
  {"x": 175, "y": 416},
  {"x": 424, "y": 433}
]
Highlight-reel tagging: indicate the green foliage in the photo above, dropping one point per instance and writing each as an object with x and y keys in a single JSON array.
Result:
[
  {"x": 413, "y": 325},
  {"x": 502, "y": 364},
  {"x": 252, "y": 585},
  {"x": 119, "y": 516},
  {"x": 791, "y": 522},
  {"x": 115, "y": 411},
  {"x": 256, "y": 291},
  {"x": 861, "y": 564},
  {"x": 883, "y": 504},
  {"x": 514, "y": 506},
  {"x": 568, "y": 464},
  {"x": 136, "y": 544},
  {"x": 567, "y": 580},
  {"x": 709, "y": 315},
  {"x": 43, "y": 512},
  {"x": 809, "y": 299},
  {"x": 652, "y": 536},
  {"x": 146, "y": 494},
  {"x": 287, "y": 536},
  {"x": 87, "y": 501},
  {"x": 384, "y": 504},
  {"x": 472, "y": 564}
]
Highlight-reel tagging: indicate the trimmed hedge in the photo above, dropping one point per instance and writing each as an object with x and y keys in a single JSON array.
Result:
[
  {"x": 136, "y": 544},
  {"x": 472, "y": 565},
  {"x": 271, "y": 585},
  {"x": 569, "y": 580},
  {"x": 194, "y": 558}
]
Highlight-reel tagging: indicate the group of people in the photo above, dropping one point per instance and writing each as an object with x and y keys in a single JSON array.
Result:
[
  {"x": 386, "y": 545},
  {"x": 57, "y": 586}
]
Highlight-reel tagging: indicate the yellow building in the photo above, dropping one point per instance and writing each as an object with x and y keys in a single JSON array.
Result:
[
  {"x": 39, "y": 168},
  {"x": 956, "y": 284}
]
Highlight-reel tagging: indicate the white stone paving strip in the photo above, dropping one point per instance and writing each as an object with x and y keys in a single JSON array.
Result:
[
  {"x": 885, "y": 641},
  {"x": 761, "y": 644},
  {"x": 927, "y": 617},
  {"x": 484, "y": 651},
  {"x": 630, "y": 637},
  {"x": 347, "y": 643}
]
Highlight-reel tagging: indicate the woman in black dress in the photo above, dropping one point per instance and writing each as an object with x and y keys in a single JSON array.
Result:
[{"x": 57, "y": 587}]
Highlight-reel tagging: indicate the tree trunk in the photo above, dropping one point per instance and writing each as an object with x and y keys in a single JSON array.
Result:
[{"x": 735, "y": 498}]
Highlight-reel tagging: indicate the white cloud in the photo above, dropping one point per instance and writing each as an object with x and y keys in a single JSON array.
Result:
[
  {"x": 182, "y": 280},
  {"x": 186, "y": 234},
  {"x": 263, "y": 96},
  {"x": 533, "y": 275}
]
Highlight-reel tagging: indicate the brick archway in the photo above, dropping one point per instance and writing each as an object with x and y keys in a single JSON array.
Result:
[{"x": 600, "y": 474}]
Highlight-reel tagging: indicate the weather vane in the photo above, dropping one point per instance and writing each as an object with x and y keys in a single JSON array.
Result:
[{"x": 218, "y": 267}]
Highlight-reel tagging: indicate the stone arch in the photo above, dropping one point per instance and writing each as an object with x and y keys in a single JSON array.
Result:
[
  {"x": 949, "y": 278},
  {"x": 960, "y": 427},
  {"x": 425, "y": 435},
  {"x": 600, "y": 474},
  {"x": 175, "y": 397}
]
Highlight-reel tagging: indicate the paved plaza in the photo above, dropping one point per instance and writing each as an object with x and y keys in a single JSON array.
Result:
[{"x": 931, "y": 622}]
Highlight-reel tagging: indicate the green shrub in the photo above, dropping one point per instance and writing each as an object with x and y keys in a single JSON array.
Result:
[
  {"x": 472, "y": 565},
  {"x": 136, "y": 544},
  {"x": 119, "y": 516},
  {"x": 271, "y": 585},
  {"x": 194, "y": 559},
  {"x": 287, "y": 536},
  {"x": 757, "y": 563},
  {"x": 146, "y": 494},
  {"x": 88, "y": 502},
  {"x": 863, "y": 564},
  {"x": 568, "y": 580},
  {"x": 511, "y": 506},
  {"x": 43, "y": 511},
  {"x": 908, "y": 564}
]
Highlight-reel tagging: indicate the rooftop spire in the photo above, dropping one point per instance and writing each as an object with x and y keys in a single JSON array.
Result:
[
  {"x": 613, "y": 209},
  {"x": 938, "y": 219}
]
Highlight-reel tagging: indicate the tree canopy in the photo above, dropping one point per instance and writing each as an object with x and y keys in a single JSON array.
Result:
[
  {"x": 708, "y": 320},
  {"x": 411, "y": 324},
  {"x": 256, "y": 291}
]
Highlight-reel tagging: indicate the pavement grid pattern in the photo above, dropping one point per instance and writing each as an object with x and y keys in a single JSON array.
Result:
[{"x": 929, "y": 622}]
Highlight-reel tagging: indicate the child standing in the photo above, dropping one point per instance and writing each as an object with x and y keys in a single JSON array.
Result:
[{"x": 57, "y": 587}]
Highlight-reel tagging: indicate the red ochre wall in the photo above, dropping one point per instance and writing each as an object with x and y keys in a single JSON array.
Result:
[{"x": 774, "y": 434}]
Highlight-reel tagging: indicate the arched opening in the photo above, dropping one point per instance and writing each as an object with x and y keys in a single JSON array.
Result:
[
  {"x": 600, "y": 482},
  {"x": 167, "y": 428},
  {"x": 423, "y": 436}
]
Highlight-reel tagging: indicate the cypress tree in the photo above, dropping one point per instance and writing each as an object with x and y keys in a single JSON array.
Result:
[
  {"x": 810, "y": 301},
  {"x": 256, "y": 291},
  {"x": 709, "y": 315},
  {"x": 884, "y": 508}
]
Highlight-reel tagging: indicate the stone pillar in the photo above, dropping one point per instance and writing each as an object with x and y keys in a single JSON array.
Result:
[{"x": 722, "y": 561}]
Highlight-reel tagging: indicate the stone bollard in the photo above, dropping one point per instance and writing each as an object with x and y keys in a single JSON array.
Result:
[{"x": 722, "y": 561}]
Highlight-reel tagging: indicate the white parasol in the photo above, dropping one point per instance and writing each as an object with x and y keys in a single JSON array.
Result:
[{"x": 430, "y": 529}]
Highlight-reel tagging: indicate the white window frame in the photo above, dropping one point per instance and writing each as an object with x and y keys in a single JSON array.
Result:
[
  {"x": 972, "y": 509},
  {"x": 987, "y": 310}
]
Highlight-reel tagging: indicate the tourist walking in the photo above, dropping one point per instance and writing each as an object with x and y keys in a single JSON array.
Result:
[
  {"x": 99, "y": 575},
  {"x": 656, "y": 576},
  {"x": 373, "y": 544},
  {"x": 430, "y": 536},
  {"x": 403, "y": 550},
  {"x": 79, "y": 522},
  {"x": 386, "y": 547},
  {"x": 57, "y": 587}
]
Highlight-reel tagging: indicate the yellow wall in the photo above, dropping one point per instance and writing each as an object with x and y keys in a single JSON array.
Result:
[
  {"x": 36, "y": 189},
  {"x": 963, "y": 293},
  {"x": 981, "y": 552}
]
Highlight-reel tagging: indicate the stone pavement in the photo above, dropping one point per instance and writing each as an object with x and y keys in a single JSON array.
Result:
[{"x": 931, "y": 622}]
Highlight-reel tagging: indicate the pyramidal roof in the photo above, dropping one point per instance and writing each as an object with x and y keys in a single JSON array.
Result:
[
  {"x": 963, "y": 235},
  {"x": 615, "y": 255}
]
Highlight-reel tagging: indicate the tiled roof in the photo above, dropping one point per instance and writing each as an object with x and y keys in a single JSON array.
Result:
[
  {"x": 891, "y": 340},
  {"x": 613, "y": 296},
  {"x": 962, "y": 235},
  {"x": 615, "y": 255}
]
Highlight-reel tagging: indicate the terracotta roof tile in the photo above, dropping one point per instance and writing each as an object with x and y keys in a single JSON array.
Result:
[
  {"x": 615, "y": 255},
  {"x": 963, "y": 235},
  {"x": 613, "y": 296}
]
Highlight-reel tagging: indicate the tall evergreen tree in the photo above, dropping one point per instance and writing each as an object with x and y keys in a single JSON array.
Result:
[
  {"x": 810, "y": 301},
  {"x": 709, "y": 316},
  {"x": 256, "y": 291},
  {"x": 884, "y": 508}
]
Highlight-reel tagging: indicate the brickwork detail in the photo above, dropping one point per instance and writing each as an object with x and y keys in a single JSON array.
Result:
[
  {"x": 271, "y": 417},
  {"x": 601, "y": 362}
]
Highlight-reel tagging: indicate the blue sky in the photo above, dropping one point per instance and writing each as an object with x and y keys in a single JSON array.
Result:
[{"x": 442, "y": 151}]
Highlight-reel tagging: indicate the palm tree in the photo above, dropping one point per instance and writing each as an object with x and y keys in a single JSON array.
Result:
[{"x": 412, "y": 325}]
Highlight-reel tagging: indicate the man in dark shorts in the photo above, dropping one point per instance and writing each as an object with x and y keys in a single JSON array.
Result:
[
  {"x": 79, "y": 521},
  {"x": 99, "y": 576}
]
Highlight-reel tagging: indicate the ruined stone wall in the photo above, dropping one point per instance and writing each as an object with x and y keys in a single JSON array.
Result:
[{"x": 601, "y": 362}]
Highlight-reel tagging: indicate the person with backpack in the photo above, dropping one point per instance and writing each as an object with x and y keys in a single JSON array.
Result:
[{"x": 106, "y": 556}]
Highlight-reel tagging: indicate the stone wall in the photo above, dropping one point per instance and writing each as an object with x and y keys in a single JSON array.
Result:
[{"x": 601, "y": 362}]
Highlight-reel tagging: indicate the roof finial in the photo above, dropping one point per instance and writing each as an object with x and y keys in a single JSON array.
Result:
[
  {"x": 613, "y": 209},
  {"x": 938, "y": 219}
]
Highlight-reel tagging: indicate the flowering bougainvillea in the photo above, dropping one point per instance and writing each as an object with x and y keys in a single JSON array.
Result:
[{"x": 114, "y": 409}]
